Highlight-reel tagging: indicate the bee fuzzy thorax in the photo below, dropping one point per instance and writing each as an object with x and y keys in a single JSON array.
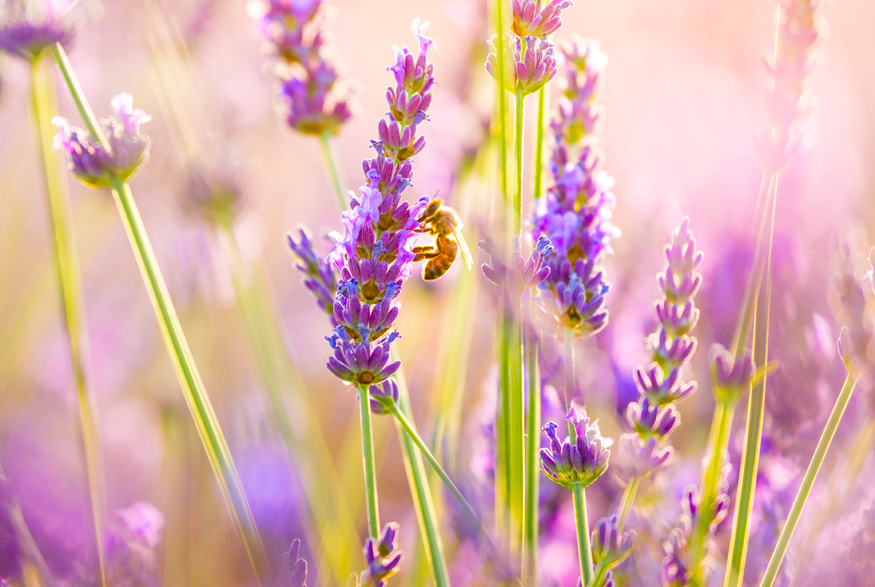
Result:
[{"x": 445, "y": 225}]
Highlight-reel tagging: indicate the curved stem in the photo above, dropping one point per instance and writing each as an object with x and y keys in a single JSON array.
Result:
[
  {"x": 808, "y": 481},
  {"x": 368, "y": 462},
  {"x": 420, "y": 491},
  {"x": 584, "y": 549},
  {"x": 626, "y": 503},
  {"x": 333, "y": 170},
  {"x": 69, "y": 281}
]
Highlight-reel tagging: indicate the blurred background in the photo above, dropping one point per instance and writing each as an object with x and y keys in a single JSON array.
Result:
[{"x": 683, "y": 98}]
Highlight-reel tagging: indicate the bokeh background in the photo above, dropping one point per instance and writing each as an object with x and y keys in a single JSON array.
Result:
[{"x": 683, "y": 93}]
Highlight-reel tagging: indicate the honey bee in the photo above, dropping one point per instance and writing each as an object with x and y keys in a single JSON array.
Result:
[{"x": 443, "y": 222}]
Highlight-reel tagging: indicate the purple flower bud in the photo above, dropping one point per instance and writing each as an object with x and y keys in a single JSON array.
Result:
[
  {"x": 297, "y": 566},
  {"x": 529, "y": 61},
  {"x": 384, "y": 397},
  {"x": 731, "y": 375},
  {"x": 96, "y": 166},
  {"x": 609, "y": 547},
  {"x": 531, "y": 18},
  {"x": 384, "y": 560},
  {"x": 580, "y": 462}
]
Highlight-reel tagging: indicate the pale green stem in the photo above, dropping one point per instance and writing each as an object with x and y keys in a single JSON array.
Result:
[
  {"x": 67, "y": 264},
  {"x": 333, "y": 170},
  {"x": 626, "y": 503},
  {"x": 533, "y": 445},
  {"x": 368, "y": 462},
  {"x": 196, "y": 397},
  {"x": 568, "y": 344},
  {"x": 746, "y": 490},
  {"x": 502, "y": 105},
  {"x": 601, "y": 572},
  {"x": 410, "y": 430},
  {"x": 718, "y": 442},
  {"x": 584, "y": 548},
  {"x": 518, "y": 138},
  {"x": 516, "y": 431},
  {"x": 539, "y": 142},
  {"x": 419, "y": 487},
  {"x": 332, "y": 524},
  {"x": 502, "y": 499},
  {"x": 808, "y": 481}
]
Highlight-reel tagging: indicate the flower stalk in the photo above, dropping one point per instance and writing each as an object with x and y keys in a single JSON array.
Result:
[
  {"x": 581, "y": 525},
  {"x": 368, "y": 463},
  {"x": 67, "y": 264}
]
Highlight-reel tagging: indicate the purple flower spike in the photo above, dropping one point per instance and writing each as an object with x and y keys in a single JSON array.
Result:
[
  {"x": 732, "y": 376},
  {"x": 319, "y": 277},
  {"x": 384, "y": 560},
  {"x": 375, "y": 251},
  {"x": 575, "y": 213},
  {"x": 314, "y": 101},
  {"x": 654, "y": 417},
  {"x": 522, "y": 274},
  {"x": 532, "y": 18},
  {"x": 90, "y": 162},
  {"x": 297, "y": 566},
  {"x": 529, "y": 61},
  {"x": 609, "y": 546},
  {"x": 580, "y": 462},
  {"x": 29, "y": 28}
]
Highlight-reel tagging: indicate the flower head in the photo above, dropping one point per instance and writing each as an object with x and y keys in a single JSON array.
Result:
[
  {"x": 575, "y": 462},
  {"x": 529, "y": 60},
  {"x": 731, "y": 375},
  {"x": 296, "y": 565},
  {"x": 90, "y": 161},
  {"x": 29, "y": 28},
  {"x": 384, "y": 558},
  {"x": 610, "y": 546},
  {"x": 319, "y": 276},
  {"x": 521, "y": 274},
  {"x": 536, "y": 18}
]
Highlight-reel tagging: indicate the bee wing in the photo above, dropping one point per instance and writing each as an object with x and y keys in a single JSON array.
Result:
[{"x": 463, "y": 246}]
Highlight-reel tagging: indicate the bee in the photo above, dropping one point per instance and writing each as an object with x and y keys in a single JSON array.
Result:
[{"x": 443, "y": 222}]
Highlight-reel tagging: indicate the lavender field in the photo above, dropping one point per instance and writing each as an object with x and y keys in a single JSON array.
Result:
[{"x": 369, "y": 293}]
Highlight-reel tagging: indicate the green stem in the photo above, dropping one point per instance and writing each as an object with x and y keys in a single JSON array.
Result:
[
  {"x": 539, "y": 142},
  {"x": 67, "y": 264},
  {"x": 808, "y": 481},
  {"x": 584, "y": 549},
  {"x": 746, "y": 490},
  {"x": 516, "y": 429},
  {"x": 502, "y": 106},
  {"x": 626, "y": 503},
  {"x": 368, "y": 462},
  {"x": 196, "y": 397},
  {"x": 410, "y": 430},
  {"x": 718, "y": 442},
  {"x": 533, "y": 445},
  {"x": 518, "y": 132},
  {"x": 568, "y": 345},
  {"x": 333, "y": 170},
  {"x": 502, "y": 453},
  {"x": 419, "y": 487}
]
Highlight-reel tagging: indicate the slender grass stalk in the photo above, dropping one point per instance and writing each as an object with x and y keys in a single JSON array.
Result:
[
  {"x": 584, "y": 548},
  {"x": 198, "y": 401},
  {"x": 533, "y": 446},
  {"x": 410, "y": 430},
  {"x": 333, "y": 170},
  {"x": 539, "y": 141},
  {"x": 67, "y": 263},
  {"x": 626, "y": 502},
  {"x": 808, "y": 481},
  {"x": 721, "y": 426},
  {"x": 368, "y": 462},
  {"x": 502, "y": 104},
  {"x": 417, "y": 479},
  {"x": 568, "y": 347},
  {"x": 746, "y": 490},
  {"x": 331, "y": 520},
  {"x": 518, "y": 138},
  {"x": 516, "y": 431},
  {"x": 502, "y": 454}
]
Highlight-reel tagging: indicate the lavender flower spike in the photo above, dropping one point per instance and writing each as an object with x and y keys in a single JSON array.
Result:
[
  {"x": 297, "y": 565},
  {"x": 319, "y": 275},
  {"x": 534, "y": 18},
  {"x": 654, "y": 417},
  {"x": 580, "y": 462},
  {"x": 731, "y": 376},
  {"x": 576, "y": 212},
  {"x": 29, "y": 28},
  {"x": 375, "y": 252},
  {"x": 530, "y": 61},
  {"x": 384, "y": 558},
  {"x": 128, "y": 150},
  {"x": 610, "y": 546},
  {"x": 314, "y": 102},
  {"x": 521, "y": 274}
]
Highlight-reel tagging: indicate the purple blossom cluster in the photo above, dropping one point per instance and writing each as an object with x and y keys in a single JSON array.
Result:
[
  {"x": 675, "y": 565},
  {"x": 313, "y": 99},
  {"x": 297, "y": 575},
  {"x": 383, "y": 557},
  {"x": 27, "y": 29},
  {"x": 575, "y": 462},
  {"x": 575, "y": 213},
  {"x": 610, "y": 544},
  {"x": 375, "y": 252},
  {"x": 520, "y": 274},
  {"x": 319, "y": 275},
  {"x": 96, "y": 166},
  {"x": 529, "y": 60},
  {"x": 801, "y": 24},
  {"x": 654, "y": 416}
]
